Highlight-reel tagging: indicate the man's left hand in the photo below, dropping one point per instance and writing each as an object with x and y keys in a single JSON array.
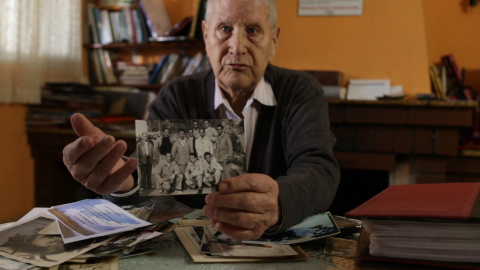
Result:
[{"x": 245, "y": 206}]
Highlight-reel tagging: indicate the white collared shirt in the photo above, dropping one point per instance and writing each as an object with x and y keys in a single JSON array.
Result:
[{"x": 262, "y": 95}]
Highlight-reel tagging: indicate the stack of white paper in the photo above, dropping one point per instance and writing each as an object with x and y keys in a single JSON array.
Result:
[{"x": 360, "y": 89}]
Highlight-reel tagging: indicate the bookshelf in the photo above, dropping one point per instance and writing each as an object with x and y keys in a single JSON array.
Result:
[{"x": 124, "y": 46}]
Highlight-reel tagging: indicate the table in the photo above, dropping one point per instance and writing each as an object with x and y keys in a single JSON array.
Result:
[{"x": 169, "y": 253}]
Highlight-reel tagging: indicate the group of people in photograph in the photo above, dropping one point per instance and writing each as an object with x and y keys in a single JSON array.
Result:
[{"x": 189, "y": 157}]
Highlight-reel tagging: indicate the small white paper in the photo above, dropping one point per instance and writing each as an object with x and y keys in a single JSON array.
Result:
[
  {"x": 330, "y": 7},
  {"x": 360, "y": 89}
]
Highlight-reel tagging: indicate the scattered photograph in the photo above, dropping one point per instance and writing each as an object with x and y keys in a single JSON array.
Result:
[
  {"x": 182, "y": 157},
  {"x": 312, "y": 228},
  {"x": 91, "y": 218},
  {"x": 224, "y": 246},
  {"x": 24, "y": 243}
]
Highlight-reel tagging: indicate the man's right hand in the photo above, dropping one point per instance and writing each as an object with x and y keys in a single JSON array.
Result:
[{"x": 95, "y": 159}]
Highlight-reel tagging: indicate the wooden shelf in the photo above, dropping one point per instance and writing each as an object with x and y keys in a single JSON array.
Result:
[
  {"x": 162, "y": 43},
  {"x": 147, "y": 87},
  {"x": 410, "y": 103}
]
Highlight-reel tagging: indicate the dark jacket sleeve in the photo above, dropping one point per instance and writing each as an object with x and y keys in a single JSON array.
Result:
[{"x": 313, "y": 174}]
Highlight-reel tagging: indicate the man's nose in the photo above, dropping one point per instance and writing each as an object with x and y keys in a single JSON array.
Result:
[{"x": 238, "y": 42}]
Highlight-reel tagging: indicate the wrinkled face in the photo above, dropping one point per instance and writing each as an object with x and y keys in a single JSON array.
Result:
[
  {"x": 47, "y": 240},
  {"x": 239, "y": 43}
]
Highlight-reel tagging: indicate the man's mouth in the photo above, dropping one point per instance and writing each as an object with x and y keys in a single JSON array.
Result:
[{"x": 237, "y": 66}]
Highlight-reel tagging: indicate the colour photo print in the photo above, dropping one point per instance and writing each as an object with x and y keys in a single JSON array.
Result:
[{"x": 182, "y": 157}]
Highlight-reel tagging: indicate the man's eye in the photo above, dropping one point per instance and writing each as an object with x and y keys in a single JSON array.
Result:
[
  {"x": 225, "y": 28},
  {"x": 252, "y": 31}
]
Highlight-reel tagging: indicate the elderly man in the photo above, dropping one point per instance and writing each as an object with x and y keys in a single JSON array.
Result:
[{"x": 291, "y": 170}]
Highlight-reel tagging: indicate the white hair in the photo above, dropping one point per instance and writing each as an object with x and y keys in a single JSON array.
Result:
[{"x": 272, "y": 12}]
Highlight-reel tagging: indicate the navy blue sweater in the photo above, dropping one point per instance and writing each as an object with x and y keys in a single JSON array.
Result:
[{"x": 292, "y": 144}]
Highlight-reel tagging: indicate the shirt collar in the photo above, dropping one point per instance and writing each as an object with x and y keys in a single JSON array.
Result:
[{"x": 263, "y": 93}]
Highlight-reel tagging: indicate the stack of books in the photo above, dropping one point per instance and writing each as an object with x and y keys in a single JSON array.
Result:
[
  {"x": 61, "y": 100},
  {"x": 427, "y": 224},
  {"x": 131, "y": 74}
]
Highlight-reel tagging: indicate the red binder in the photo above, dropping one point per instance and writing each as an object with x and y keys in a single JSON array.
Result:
[
  {"x": 425, "y": 202},
  {"x": 445, "y": 201}
]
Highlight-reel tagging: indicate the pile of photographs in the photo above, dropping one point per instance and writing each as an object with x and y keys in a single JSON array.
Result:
[
  {"x": 205, "y": 244},
  {"x": 92, "y": 232}
]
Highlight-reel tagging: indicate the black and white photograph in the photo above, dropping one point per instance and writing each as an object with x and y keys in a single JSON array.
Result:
[
  {"x": 182, "y": 157},
  {"x": 25, "y": 243}
]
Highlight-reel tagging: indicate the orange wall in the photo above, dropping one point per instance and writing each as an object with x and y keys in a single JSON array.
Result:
[
  {"x": 452, "y": 27},
  {"x": 16, "y": 173},
  {"x": 387, "y": 41}
]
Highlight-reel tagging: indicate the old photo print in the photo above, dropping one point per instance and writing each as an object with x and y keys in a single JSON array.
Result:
[{"x": 182, "y": 157}]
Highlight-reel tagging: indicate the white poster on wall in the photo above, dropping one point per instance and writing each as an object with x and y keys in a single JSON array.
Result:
[{"x": 330, "y": 7}]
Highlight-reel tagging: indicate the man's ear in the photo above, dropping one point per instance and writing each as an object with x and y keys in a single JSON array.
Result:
[
  {"x": 275, "y": 37},
  {"x": 204, "y": 29},
  {"x": 205, "y": 35}
]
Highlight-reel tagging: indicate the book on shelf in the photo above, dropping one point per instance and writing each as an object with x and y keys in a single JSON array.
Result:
[
  {"x": 426, "y": 224},
  {"x": 116, "y": 3},
  {"x": 453, "y": 70},
  {"x": 133, "y": 73},
  {"x": 193, "y": 64},
  {"x": 142, "y": 24},
  {"x": 105, "y": 68},
  {"x": 93, "y": 34},
  {"x": 437, "y": 87},
  {"x": 137, "y": 26},
  {"x": 107, "y": 35},
  {"x": 94, "y": 73},
  {"x": 171, "y": 65},
  {"x": 117, "y": 23},
  {"x": 456, "y": 79},
  {"x": 98, "y": 24},
  {"x": 128, "y": 24},
  {"x": 204, "y": 64},
  {"x": 157, "y": 70},
  {"x": 156, "y": 17},
  {"x": 198, "y": 17},
  {"x": 102, "y": 69},
  {"x": 182, "y": 28}
]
